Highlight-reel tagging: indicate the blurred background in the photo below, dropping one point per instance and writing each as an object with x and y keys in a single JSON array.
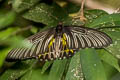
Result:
[{"x": 109, "y": 6}]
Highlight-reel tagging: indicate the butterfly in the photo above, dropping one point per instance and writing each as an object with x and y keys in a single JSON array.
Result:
[{"x": 60, "y": 42}]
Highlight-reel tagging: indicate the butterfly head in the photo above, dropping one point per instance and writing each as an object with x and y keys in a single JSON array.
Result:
[{"x": 59, "y": 27}]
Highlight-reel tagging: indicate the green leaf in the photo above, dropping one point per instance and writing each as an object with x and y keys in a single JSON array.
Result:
[
  {"x": 74, "y": 70},
  {"x": 91, "y": 65},
  {"x": 57, "y": 69},
  {"x": 16, "y": 41},
  {"x": 71, "y": 21},
  {"x": 22, "y": 5},
  {"x": 7, "y": 38},
  {"x": 7, "y": 19},
  {"x": 17, "y": 70},
  {"x": 92, "y": 15},
  {"x": 4, "y": 34},
  {"x": 109, "y": 70},
  {"x": 34, "y": 74},
  {"x": 116, "y": 77},
  {"x": 108, "y": 58},
  {"x": 34, "y": 30},
  {"x": 111, "y": 18},
  {"x": 46, "y": 66},
  {"x": 49, "y": 15},
  {"x": 3, "y": 54},
  {"x": 114, "y": 48}
]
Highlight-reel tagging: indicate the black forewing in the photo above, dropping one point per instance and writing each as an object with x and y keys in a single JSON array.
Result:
[
  {"x": 39, "y": 42},
  {"x": 82, "y": 37}
]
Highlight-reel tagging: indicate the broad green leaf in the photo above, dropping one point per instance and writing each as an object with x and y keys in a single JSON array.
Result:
[
  {"x": 46, "y": 66},
  {"x": 108, "y": 58},
  {"x": 21, "y": 5},
  {"x": 74, "y": 70},
  {"x": 91, "y": 65},
  {"x": 3, "y": 54},
  {"x": 46, "y": 14},
  {"x": 7, "y": 19},
  {"x": 109, "y": 70},
  {"x": 57, "y": 70},
  {"x": 111, "y": 18}
]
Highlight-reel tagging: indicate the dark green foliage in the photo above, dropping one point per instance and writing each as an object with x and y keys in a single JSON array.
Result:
[
  {"x": 22, "y": 18},
  {"x": 91, "y": 65}
]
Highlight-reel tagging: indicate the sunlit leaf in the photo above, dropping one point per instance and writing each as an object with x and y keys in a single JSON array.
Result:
[
  {"x": 4, "y": 34},
  {"x": 34, "y": 30},
  {"x": 3, "y": 54},
  {"x": 7, "y": 19}
]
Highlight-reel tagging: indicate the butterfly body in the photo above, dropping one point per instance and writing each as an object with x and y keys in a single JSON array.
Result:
[{"x": 60, "y": 42}]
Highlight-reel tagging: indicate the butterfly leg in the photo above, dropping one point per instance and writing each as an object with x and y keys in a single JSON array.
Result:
[
  {"x": 64, "y": 45},
  {"x": 50, "y": 47},
  {"x": 66, "y": 52}
]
